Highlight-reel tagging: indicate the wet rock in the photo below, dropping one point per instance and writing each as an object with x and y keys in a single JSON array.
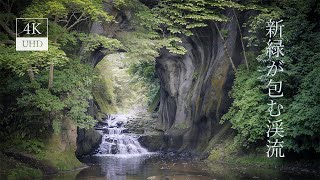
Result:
[
  {"x": 109, "y": 140},
  {"x": 101, "y": 128},
  {"x": 125, "y": 131},
  {"x": 120, "y": 124},
  {"x": 154, "y": 115},
  {"x": 114, "y": 149},
  {"x": 102, "y": 123}
]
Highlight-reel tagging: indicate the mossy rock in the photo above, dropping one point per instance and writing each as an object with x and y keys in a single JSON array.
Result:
[{"x": 152, "y": 142}]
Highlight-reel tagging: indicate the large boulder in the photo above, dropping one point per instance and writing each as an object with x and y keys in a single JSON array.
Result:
[{"x": 87, "y": 141}]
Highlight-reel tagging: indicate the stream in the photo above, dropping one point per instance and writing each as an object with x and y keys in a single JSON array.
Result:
[{"x": 121, "y": 157}]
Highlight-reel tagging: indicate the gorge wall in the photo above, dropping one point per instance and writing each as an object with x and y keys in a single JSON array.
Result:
[{"x": 195, "y": 87}]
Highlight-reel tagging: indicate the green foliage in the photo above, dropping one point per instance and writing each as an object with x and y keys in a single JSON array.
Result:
[
  {"x": 183, "y": 125},
  {"x": 76, "y": 91},
  {"x": 302, "y": 119},
  {"x": 103, "y": 87},
  {"x": 179, "y": 17},
  {"x": 33, "y": 105},
  {"x": 93, "y": 41},
  {"x": 257, "y": 23},
  {"x": 144, "y": 72},
  {"x": 195, "y": 75},
  {"x": 248, "y": 113},
  {"x": 32, "y": 146},
  {"x": 56, "y": 125},
  {"x": 140, "y": 46},
  {"x": 127, "y": 4},
  {"x": 23, "y": 145},
  {"x": 62, "y": 8},
  {"x": 300, "y": 116},
  {"x": 21, "y": 62},
  {"x": 171, "y": 19},
  {"x": 30, "y": 106},
  {"x": 41, "y": 99}
]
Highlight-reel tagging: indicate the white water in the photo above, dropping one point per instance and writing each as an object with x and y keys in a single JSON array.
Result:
[{"x": 116, "y": 141}]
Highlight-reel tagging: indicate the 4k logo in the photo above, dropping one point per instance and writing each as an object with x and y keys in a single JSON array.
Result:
[
  {"x": 34, "y": 28},
  {"x": 32, "y": 34}
]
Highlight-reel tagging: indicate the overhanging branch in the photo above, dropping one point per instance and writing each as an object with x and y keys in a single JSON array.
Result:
[{"x": 8, "y": 30}]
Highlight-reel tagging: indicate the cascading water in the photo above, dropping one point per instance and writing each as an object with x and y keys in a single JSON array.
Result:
[{"x": 116, "y": 140}]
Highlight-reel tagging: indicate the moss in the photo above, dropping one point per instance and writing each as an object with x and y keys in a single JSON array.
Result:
[
  {"x": 228, "y": 152},
  {"x": 181, "y": 125},
  {"x": 237, "y": 171},
  {"x": 155, "y": 102},
  {"x": 58, "y": 158},
  {"x": 195, "y": 75},
  {"x": 257, "y": 160},
  {"x": 222, "y": 151},
  {"x": 65, "y": 160},
  {"x": 217, "y": 82},
  {"x": 103, "y": 99},
  {"x": 222, "y": 148},
  {"x": 23, "y": 172}
]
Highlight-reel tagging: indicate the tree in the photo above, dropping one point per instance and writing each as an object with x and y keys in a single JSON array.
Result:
[
  {"x": 68, "y": 14},
  {"x": 39, "y": 101}
]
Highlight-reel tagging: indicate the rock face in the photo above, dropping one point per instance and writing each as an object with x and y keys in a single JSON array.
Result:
[
  {"x": 87, "y": 141},
  {"x": 194, "y": 87},
  {"x": 68, "y": 135}
]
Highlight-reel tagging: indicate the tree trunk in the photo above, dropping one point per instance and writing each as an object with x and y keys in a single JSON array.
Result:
[
  {"x": 241, "y": 39},
  {"x": 50, "y": 76},
  {"x": 31, "y": 74},
  {"x": 51, "y": 64},
  {"x": 226, "y": 49}
]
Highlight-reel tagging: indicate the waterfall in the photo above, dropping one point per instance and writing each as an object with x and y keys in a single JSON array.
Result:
[{"x": 116, "y": 140}]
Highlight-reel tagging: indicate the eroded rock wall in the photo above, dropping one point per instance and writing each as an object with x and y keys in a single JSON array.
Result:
[{"x": 195, "y": 87}]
